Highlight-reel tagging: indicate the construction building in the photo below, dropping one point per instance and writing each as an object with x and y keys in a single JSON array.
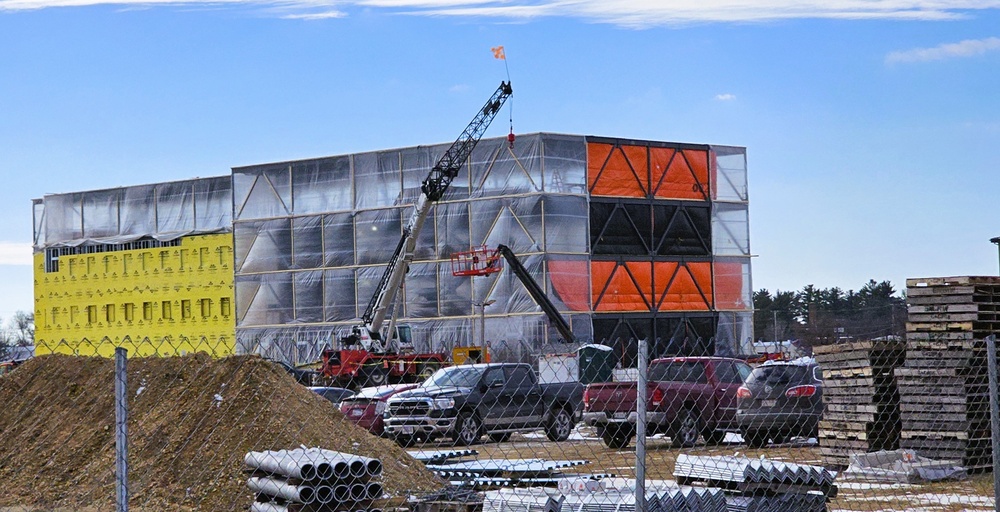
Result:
[
  {"x": 629, "y": 239},
  {"x": 148, "y": 268}
]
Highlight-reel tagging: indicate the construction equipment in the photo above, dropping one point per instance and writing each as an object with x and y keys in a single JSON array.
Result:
[
  {"x": 377, "y": 355},
  {"x": 482, "y": 262}
]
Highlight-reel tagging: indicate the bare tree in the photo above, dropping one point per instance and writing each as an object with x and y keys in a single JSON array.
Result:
[
  {"x": 22, "y": 329},
  {"x": 5, "y": 346}
]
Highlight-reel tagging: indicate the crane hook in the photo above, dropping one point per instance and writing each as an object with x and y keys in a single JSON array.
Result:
[{"x": 510, "y": 139}]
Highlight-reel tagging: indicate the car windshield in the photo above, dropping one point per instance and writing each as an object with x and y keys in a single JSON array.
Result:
[
  {"x": 458, "y": 376},
  {"x": 777, "y": 374},
  {"x": 677, "y": 371}
]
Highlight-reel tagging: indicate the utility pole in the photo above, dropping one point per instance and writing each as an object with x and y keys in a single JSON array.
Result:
[
  {"x": 482, "y": 319},
  {"x": 775, "y": 325},
  {"x": 996, "y": 240}
]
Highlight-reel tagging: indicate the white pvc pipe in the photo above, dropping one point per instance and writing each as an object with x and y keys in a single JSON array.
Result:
[
  {"x": 281, "y": 489},
  {"x": 373, "y": 491},
  {"x": 282, "y": 463}
]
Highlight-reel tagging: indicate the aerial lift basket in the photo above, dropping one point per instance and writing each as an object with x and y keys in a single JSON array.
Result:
[{"x": 480, "y": 261}]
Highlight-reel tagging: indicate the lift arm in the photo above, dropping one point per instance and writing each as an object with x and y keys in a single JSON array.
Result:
[
  {"x": 537, "y": 293},
  {"x": 433, "y": 188}
]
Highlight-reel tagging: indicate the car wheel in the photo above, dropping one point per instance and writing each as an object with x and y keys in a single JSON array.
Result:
[
  {"x": 616, "y": 437},
  {"x": 500, "y": 437},
  {"x": 687, "y": 431},
  {"x": 754, "y": 438},
  {"x": 560, "y": 427},
  {"x": 468, "y": 430}
]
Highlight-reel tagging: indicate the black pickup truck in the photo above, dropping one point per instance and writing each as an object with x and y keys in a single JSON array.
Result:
[{"x": 496, "y": 399}]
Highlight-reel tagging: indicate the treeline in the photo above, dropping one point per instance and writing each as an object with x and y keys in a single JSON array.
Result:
[
  {"x": 818, "y": 316},
  {"x": 18, "y": 331}
]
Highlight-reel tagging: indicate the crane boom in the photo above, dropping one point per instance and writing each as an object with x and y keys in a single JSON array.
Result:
[{"x": 432, "y": 189}]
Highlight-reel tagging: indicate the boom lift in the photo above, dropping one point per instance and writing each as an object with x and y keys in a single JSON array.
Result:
[
  {"x": 481, "y": 262},
  {"x": 368, "y": 353}
]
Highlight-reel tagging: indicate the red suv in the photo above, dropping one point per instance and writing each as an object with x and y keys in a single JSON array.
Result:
[{"x": 366, "y": 407}]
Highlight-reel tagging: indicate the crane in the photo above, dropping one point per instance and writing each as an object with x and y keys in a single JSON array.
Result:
[{"x": 368, "y": 335}]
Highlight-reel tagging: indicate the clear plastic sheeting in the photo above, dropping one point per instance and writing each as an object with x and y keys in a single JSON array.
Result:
[
  {"x": 322, "y": 185},
  {"x": 514, "y": 222},
  {"x": 38, "y": 218},
  {"x": 731, "y": 229},
  {"x": 264, "y": 299},
  {"x": 262, "y": 194},
  {"x": 164, "y": 211},
  {"x": 497, "y": 170},
  {"x": 730, "y": 174},
  {"x": 339, "y": 295},
  {"x": 566, "y": 224},
  {"x": 564, "y": 161},
  {"x": 307, "y": 242},
  {"x": 338, "y": 240},
  {"x": 734, "y": 333},
  {"x": 377, "y": 233},
  {"x": 263, "y": 246},
  {"x": 421, "y": 289},
  {"x": 338, "y": 221}
]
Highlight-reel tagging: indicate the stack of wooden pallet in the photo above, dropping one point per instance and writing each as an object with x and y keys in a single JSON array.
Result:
[
  {"x": 860, "y": 399},
  {"x": 944, "y": 395}
]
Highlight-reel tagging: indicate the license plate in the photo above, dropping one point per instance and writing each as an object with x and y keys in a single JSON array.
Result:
[
  {"x": 619, "y": 415},
  {"x": 407, "y": 430},
  {"x": 768, "y": 403},
  {"x": 356, "y": 412}
]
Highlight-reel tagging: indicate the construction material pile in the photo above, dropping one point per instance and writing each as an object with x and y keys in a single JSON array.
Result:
[
  {"x": 658, "y": 499},
  {"x": 325, "y": 480},
  {"x": 759, "y": 484},
  {"x": 191, "y": 420},
  {"x": 944, "y": 384},
  {"x": 860, "y": 398}
]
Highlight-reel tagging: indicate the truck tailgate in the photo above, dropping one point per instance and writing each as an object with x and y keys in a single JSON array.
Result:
[{"x": 610, "y": 397}]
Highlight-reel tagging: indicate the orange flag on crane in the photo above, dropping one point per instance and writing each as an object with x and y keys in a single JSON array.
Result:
[{"x": 498, "y": 53}]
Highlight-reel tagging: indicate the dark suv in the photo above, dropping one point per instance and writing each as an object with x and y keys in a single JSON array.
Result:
[{"x": 780, "y": 400}]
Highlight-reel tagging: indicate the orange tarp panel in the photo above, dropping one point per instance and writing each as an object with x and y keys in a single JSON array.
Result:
[
  {"x": 614, "y": 288},
  {"x": 729, "y": 286},
  {"x": 683, "y": 286},
  {"x": 619, "y": 171},
  {"x": 679, "y": 174},
  {"x": 571, "y": 282}
]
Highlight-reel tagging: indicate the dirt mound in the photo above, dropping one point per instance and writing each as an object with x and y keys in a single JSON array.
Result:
[{"x": 192, "y": 419}]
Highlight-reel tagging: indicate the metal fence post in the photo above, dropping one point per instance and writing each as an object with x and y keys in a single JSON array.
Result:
[
  {"x": 121, "y": 433},
  {"x": 640, "y": 428},
  {"x": 991, "y": 362}
]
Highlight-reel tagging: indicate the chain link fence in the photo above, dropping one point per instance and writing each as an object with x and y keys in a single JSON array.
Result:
[{"x": 857, "y": 426}]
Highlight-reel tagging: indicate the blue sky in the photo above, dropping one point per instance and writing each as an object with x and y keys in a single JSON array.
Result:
[{"x": 872, "y": 126}]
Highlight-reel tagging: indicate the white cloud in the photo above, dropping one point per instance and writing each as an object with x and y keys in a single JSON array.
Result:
[
  {"x": 967, "y": 48},
  {"x": 725, "y": 97},
  {"x": 459, "y": 88},
  {"x": 325, "y": 15},
  {"x": 15, "y": 253},
  {"x": 625, "y": 13}
]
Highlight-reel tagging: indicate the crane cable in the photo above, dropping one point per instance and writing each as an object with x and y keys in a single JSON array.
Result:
[{"x": 500, "y": 53}]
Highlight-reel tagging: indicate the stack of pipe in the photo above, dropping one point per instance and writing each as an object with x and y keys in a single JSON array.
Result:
[
  {"x": 658, "y": 499},
  {"x": 313, "y": 479},
  {"x": 760, "y": 484}
]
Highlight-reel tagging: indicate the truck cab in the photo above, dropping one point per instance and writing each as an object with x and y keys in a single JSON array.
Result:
[{"x": 497, "y": 399}]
